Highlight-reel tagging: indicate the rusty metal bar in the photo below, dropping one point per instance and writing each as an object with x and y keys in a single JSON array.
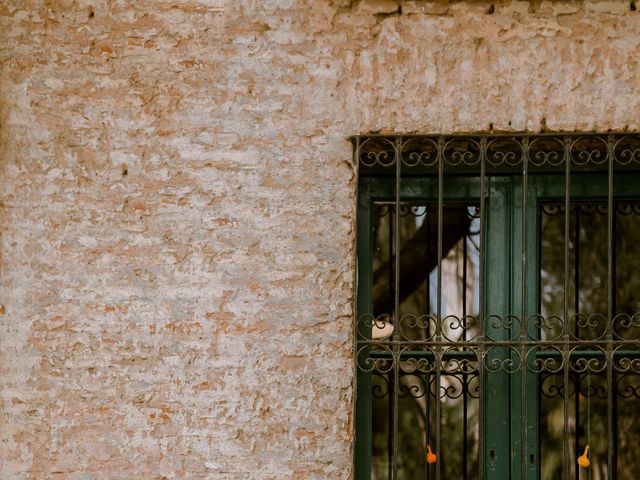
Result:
[
  {"x": 396, "y": 312},
  {"x": 438, "y": 338}
]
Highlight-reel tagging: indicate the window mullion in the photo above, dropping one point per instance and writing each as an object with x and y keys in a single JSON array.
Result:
[{"x": 497, "y": 297}]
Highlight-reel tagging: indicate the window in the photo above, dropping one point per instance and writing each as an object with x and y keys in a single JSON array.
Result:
[{"x": 498, "y": 307}]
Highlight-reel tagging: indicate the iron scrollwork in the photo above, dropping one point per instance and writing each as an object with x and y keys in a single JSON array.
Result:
[{"x": 500, "y": 152}]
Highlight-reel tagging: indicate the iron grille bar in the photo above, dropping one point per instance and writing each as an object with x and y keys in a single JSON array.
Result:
[
  {"x": 565, "y": 397},
  {"x": 394, "y": 216},
  {"x": 610, "y": 293},
  {"x": 481, "y": 276},
  {"x": 507, "y": 343},
  {"x": 439, "y": 302},
  {"x": 396, "y": 310},
  {"x": 467, "y": 353},
  {"x": 614, "y": 408},
  {"x": 465, "y": 399},
  {"x": 523, "y": 326},
  {"x": 427, "y": 375},
  {"x": 576, "y": 302}
]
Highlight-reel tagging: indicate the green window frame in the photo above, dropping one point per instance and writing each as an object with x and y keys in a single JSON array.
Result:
[{"x": 509, "y": 179}]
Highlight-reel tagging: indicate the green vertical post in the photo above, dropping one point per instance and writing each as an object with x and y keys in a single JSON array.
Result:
[
  {"x": 496, "y": 415},
  {"x": 364, "y": 240},
  {"x": 531, "y": 383}
]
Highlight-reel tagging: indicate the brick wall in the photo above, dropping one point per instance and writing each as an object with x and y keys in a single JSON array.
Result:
[{"x": 177, "y": 208}]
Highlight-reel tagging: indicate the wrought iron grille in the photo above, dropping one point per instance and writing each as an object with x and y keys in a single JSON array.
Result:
[{"x": 498, "y": 311}]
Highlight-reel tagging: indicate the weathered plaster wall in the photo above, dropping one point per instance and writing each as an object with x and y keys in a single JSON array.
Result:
[{"x": 176, "y": 264}]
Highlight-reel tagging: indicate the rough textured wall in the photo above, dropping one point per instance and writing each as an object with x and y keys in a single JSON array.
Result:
[{"x": 177, "y": 208}]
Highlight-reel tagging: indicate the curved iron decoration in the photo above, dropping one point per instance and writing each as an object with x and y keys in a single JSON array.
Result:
[
  {"x": 452, "y": 387},
  {"x": 545, "y": 346},
  {"x": 502, "y": 152},
  {"x": 625, "y": 386}
]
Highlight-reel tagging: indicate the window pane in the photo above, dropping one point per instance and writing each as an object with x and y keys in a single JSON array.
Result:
[
  {"x": 417, "y": 396},
  {"x": 588, "y": 320}
]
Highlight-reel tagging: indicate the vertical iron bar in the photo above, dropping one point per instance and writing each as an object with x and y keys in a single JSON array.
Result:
[
  {"x": 576, "y": 328},
  {"x": 609, "y": 357},
  {"x": 390, "y": 425},
  {"x": 438, "y": 338},
  {"x": 523, "y": 318},
  {"x": 465, "y": 377},
  {"x": 614, "y": 380},
  {"x": 481, "y": 306},
  {"x": 428, "y": 212},
  {"x": 565, "y": 334},
  {"x": 614, "y": 312},
  {"x": 427, "y": 378},
  {"x": 396, "y": 299},
  {"x": 538, "y": 445},
  {"x": 426, "y": 421},
  {"x": 394, "y": 216},
  {"x": 354, "y": 431}
]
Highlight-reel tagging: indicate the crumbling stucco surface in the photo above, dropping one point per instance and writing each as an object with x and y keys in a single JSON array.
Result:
[{"x": 177, "y": 208}]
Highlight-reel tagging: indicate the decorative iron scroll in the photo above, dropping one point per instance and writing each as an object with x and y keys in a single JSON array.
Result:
[
  {"x": 417, "y": 386},
  {"x": 540, "y": 345},
  {"x": 500, "y": 152},
  {"x": 621, "y": 208},
  {"x": 454, "y": 386},
  {"x": 590, "y": 385}
]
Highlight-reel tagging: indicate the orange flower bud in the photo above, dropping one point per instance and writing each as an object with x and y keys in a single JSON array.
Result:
[
  {"x": 431, "y": 457},
  {"x": 583, "y": 461}
]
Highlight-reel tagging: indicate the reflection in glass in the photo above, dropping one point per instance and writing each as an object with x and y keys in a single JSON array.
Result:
[
  {"x": 418, "y": 305},
  {"x": 588, "y": 320}
]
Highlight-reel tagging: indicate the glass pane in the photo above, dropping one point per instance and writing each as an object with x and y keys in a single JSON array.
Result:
[
  {"x": 417, "y": 391},
  {"x": 588, "y": 320}
]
